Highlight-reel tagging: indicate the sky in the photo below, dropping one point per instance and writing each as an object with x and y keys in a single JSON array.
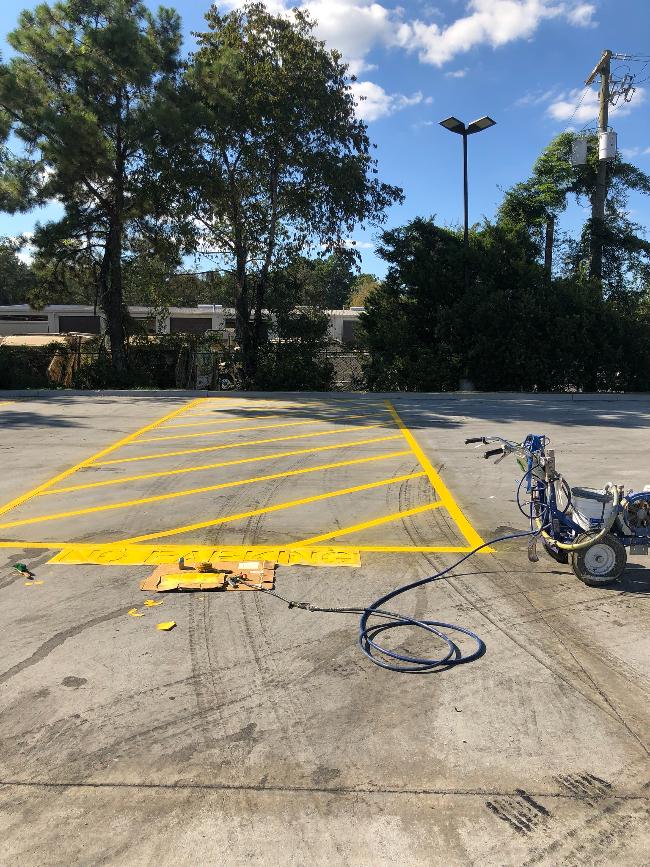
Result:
[{"x": 522, "y": 62}]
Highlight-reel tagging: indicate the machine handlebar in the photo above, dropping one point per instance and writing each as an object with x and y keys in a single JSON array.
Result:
[
  {"x": 474, "y": 440},
  {"x": 494, "y": 452}
]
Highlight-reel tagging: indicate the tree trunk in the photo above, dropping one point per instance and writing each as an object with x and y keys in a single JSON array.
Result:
[
  {"x": 548, "y": 245},
  {"x": 243, "y": 317},
  {"x": 110, "y": 278}
]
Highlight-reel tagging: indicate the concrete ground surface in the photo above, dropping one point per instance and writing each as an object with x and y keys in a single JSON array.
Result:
[{"x": 255, "y": 734}]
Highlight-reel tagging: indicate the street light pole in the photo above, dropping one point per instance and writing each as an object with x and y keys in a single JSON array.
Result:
[
  {"x": 465, "y": 203},
  {"x": 457, "y": 126}
]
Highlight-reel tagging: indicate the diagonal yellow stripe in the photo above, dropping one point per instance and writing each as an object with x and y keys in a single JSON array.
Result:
[
  {"x": 190, "y": 491},
  {"x": 223, "y": 420},
  {"x": 87, "y": 461},
  {"x": 376, "y": 522},
  {"x": 210, "y": 433},
  {"x": 277, "y": 508},
  {"x": 260, "y": 458},
  {"x": 238, "y": 445},
  {"x": 473, "y": 538}
]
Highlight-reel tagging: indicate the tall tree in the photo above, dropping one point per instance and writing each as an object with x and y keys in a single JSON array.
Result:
[
  {"x": 88, "y": 93},
  {"x": 538, "y": 202},
  {"x": 16, "y": 277},
  {"x": 282, "y": 161}
]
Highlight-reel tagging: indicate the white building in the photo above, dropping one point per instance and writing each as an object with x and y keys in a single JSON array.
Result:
[{"x": 21, "y": 319}]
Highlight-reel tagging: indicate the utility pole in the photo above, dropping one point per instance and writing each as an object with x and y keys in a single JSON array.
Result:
[{"x": 603, "y": 68}]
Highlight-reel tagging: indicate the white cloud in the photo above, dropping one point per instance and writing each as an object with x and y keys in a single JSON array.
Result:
[
  {"x": 356, "y": 27},
  {"x": 374, "y": 102},
  {"x": 630, "y": 153},
  {"x": 26, "y": 248},
  {"x": 358, "y": 245},
  {"x": 456, "y": 73},
  {"x": 489, "y": 22},
  {"x": 563, "y": 108},
  {"x": 582, "y": 15}
]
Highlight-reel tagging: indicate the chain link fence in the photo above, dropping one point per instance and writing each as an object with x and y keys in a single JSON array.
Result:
[{"x": 178, "y": 361}]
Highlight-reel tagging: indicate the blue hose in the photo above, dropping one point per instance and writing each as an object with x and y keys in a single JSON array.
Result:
[{"x": 404, "y": 663}]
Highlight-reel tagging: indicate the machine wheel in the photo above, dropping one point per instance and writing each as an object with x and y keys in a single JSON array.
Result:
[
  {"x": 601, "y": 563},
  {"x": 559, "y": 556}
]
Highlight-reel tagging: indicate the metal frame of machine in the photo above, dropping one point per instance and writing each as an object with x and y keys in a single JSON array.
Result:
[{"x": 590, "y": 529}]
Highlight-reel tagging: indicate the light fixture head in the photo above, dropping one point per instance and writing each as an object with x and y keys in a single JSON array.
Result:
[
  {"x": 453, "y": 125},
  {"x": 480, "y": 124}
]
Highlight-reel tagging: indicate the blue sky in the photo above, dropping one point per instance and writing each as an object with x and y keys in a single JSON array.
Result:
[{"x": 523, "y": 62}]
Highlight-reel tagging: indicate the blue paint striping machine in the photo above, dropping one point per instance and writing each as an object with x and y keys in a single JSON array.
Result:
[{"x": 593, "y": 530}]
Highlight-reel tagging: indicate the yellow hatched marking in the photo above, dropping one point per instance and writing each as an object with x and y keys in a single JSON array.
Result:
[
  {"x": 87, "y": 461},
  {"x": 376, "y": 522},
  {"x": 261, "y": 458},
  {"x": 267, "y": 509},
  {"x": 210, "y": 433},
  {"x": 437, "y": 483},
  {"x": 237, "y": 445},
  {"x": 189, "y": 492},
  {"x": 214, "y": 421}
]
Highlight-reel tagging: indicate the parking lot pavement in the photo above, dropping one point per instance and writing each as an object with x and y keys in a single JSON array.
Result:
[{"x": 258, "y": 734}]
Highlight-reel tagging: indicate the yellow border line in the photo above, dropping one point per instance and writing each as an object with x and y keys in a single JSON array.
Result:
[
  {"x": 470, "y": 534},
  {"x": 369, "y": 549},
  {"x": 6, "y": 402},
  {"x": 38, "y": 519},
  {"x": 210, "y": 433},
  {"x": 87, "y": 461},
  {"x": 271, "y": 456},
  {"x": 267, "y": 509},
  {"x": 238, "y": 445},
  {"x": 376, "y": 522}
]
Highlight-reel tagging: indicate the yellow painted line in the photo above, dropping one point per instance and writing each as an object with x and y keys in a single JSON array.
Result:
[
  {"x": 376, "y": 522},
  {"x": 277, "y": 508},
  {"x": 223, "y": 421},
  {"x": 260, "y": 458},
  {"x": 214, "y": 421},
  {"x": 470, "y": 534},
  {"x": 147, "y": 555},
  {"x": 6, "y": 402},
  {"x": 237, "y": 445},
  {"x": 37, "y": 519},
  {"x": 419, "y": 549},
  {"x": 87, "y": 461},
  {"x": 211, "y": 433},
  {"x": 383, "y": 549}
]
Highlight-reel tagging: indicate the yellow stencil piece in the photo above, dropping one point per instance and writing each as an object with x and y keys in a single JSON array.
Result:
[
  {"x": 135, "y": 613},
  {"x": 151, "y": 603},
  {"x": 155, "y": 555},
  {"x": 166, "y": 626}
]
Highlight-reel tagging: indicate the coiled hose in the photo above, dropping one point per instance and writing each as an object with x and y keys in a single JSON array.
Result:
[{"x": 404, "y": 663}]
